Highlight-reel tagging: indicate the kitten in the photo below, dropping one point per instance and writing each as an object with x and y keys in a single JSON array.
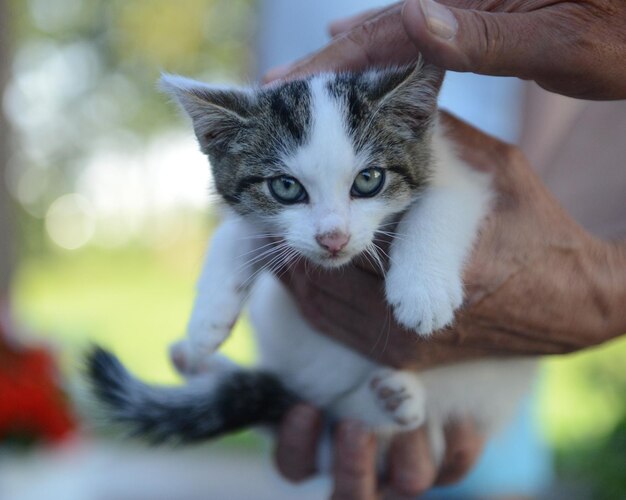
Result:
[{"x": 316, "y": 169}]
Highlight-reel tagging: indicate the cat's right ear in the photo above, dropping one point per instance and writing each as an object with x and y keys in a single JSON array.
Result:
[
  {"x": 219, "y": 114},
  {"x": 409, "y": 91}
]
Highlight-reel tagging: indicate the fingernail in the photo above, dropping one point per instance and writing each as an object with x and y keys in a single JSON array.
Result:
[
  {"x": 439, "y": 19},
  {"x": 354, "y": 435}
]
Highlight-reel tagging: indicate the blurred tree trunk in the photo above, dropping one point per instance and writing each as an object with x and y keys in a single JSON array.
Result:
[{"x": 6, "y": 223}]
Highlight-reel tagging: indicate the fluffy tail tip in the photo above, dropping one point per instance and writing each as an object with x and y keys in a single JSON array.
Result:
[{"x": 107, "y": 375}]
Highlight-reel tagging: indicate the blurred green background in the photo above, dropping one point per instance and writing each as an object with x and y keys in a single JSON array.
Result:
[
  {"x": 114, "y": 206},
  {"x": 113, "y": 196}
]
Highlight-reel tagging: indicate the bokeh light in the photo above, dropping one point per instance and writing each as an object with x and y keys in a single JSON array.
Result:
[{"x": 70, "y": 221}]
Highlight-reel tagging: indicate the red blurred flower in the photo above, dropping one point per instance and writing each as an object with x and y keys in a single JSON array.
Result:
[{"x": 32, "y": 405}]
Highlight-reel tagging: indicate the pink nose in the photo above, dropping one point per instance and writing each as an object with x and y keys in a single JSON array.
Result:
[{"x": 333, "y": 241}]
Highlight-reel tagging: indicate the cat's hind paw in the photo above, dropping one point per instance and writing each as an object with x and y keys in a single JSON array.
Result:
[
  {"x": 401, "y": 396},
  {"x": 423, "y": 303}
]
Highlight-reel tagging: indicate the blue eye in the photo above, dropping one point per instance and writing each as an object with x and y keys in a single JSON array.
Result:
[
  {"x": 286, "y": 189},
  {"x": 368, "y": 182}
]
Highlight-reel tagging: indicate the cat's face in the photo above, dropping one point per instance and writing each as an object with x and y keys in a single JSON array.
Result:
[{"x": 322, "y": 163}]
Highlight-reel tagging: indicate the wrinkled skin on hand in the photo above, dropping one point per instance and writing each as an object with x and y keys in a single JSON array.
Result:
[{"x": 574, "y": 48}]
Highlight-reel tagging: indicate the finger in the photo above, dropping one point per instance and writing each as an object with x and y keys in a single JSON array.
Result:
[
  {"x": 412, "y": 469},
  {"x": 493, "y": 43},
  {"x": 347, "y": 23},
  {"x": 380, "y": 41},
  {"x": 354, "y": 469},
  {"x": 464, "y": 445},
  {"x": 296, "y": 448}
]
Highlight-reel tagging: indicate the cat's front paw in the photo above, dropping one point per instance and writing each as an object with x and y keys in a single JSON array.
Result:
[
  {"x": 401, "y": 396},
  {"x": 203, "y": 338},
  {"x": 185, "y": 358},
  {"x": 423, "y": 302}
]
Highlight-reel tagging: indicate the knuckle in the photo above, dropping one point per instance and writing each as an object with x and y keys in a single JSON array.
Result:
[
  {"x": 489, "y": 39},
  {"x": 368, "y": 29},
  {"x": 359, "y": 43}
]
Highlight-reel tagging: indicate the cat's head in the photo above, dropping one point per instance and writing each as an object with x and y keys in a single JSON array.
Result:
[{"x": 322, "y": 162}]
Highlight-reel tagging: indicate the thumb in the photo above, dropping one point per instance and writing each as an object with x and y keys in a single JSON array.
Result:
[{"x": 492, "y": 43}]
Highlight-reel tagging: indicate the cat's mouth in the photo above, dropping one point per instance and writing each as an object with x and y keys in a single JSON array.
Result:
[{"x": 337, "y": 259}]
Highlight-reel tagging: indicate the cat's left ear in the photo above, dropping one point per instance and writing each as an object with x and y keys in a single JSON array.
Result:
[
  {"x": 219, "y": 115},
  {"x": 409, "y": 93}
]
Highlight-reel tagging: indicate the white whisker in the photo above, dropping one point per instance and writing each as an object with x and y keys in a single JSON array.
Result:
[
  {"x": 257, "y": 249},
  {"x": 274, "y": 263},
  {"x": 259, "y": 236},
  {"x": 371, "y": 250},
  {"x": 385, "y": 254},
  {"x": 394, "y": 235},
  {"x": 263, "y": 255}
]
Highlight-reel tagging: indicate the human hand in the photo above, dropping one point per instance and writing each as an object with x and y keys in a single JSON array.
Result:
[
  {"x": 575, "y": 48},
  {"x": 537, "y": 283},
  {"x": 411, "y": 468}
]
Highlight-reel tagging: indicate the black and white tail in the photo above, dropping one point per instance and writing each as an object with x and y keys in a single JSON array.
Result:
[{"x": 204, "y": 408}]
